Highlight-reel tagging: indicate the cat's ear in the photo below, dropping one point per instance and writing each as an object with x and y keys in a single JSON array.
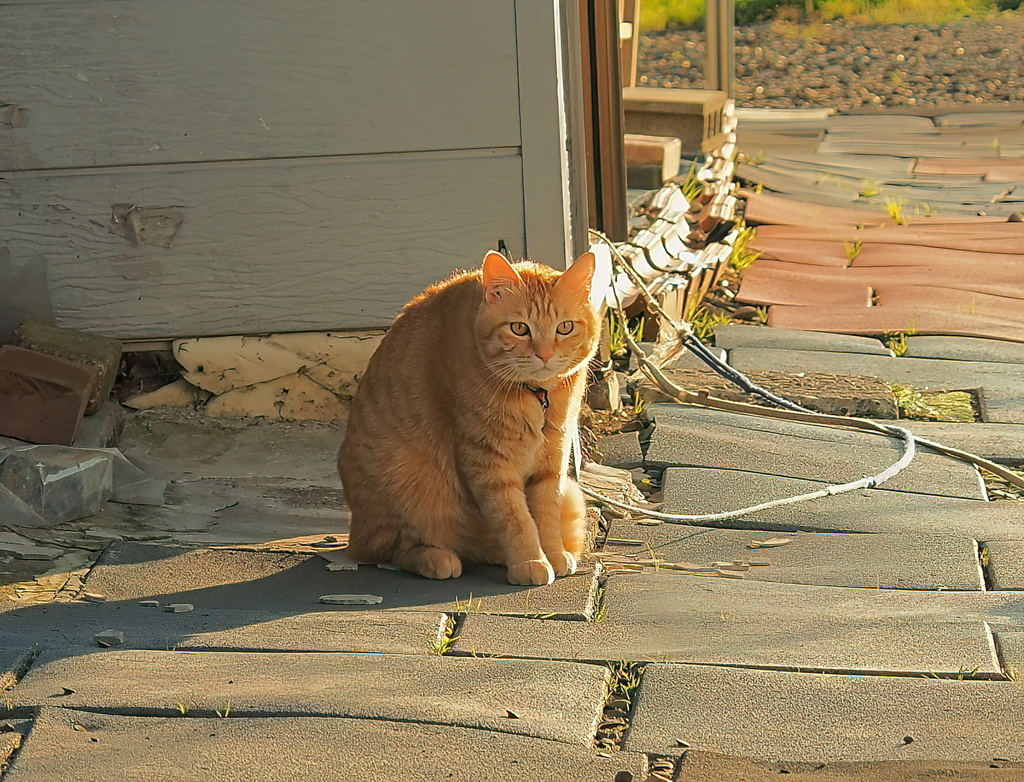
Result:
[
  {"x": 579, "y": 276},
  {"x": 498, "y": 275}
]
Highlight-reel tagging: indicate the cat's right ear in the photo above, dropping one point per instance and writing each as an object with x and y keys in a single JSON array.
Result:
[{"x": 497, "y": 276}]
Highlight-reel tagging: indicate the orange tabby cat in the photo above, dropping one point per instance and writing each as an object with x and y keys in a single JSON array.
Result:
[{"x": 458, "y": 439}]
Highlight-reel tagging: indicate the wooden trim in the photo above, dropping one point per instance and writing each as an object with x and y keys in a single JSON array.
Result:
[
  {"x": 720, "y": 64},
  {"x": 606, "y": 166},
  {"x": 629, "y": 48},
  {"x": 547, "y": 197}
]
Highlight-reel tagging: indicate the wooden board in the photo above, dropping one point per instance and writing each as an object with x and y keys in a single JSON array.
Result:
[
  {"x": 113, "y": 83},
  {"x": 272, "y": 246}
]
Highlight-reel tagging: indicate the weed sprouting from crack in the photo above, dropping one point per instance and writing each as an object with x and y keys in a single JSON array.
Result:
[
  {"x": 445, "y": 638},
  {"x": 620, "y": 691}
]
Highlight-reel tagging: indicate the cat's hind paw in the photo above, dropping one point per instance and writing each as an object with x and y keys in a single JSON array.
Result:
[
  {"x": 563, "y": 563},
  {"x": 533, "y": 571}
]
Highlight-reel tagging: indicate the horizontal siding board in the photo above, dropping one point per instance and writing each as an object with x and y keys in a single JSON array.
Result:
[
  {"x": 114, "y": 82},
  {"x": 267, "y": 246}
]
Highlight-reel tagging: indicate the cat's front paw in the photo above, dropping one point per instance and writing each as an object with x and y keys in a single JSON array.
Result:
[
  {"x": 533, "y": 571},
  {"x": 563, "y": 563}
]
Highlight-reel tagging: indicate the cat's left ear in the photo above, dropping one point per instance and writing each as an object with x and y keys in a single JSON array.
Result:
[
  {"x": 579, "y": 276},
  {"x": 498, "y": 275}
]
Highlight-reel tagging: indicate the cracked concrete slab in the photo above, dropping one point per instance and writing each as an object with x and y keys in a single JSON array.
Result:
[
  {"x": 691, "y": 436},
  {"x": 818, "y": 558},
  {"x": 694, "y": 491},
  {"x": 621, "y": 450},
  {"x": 553, "y": 700},
  {"x": 66, "y": 744},
  {"x": 701, "y": 766},
  {"x": 716, "y": 621},
  {"x": 1005, "y": 563},
  {"x": 1003, "y": 385},
  {"x": 269, "y": 584},
  {"x": 774, "y": 715}
]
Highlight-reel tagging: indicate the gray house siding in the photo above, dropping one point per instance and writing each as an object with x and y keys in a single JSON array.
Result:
[{"x": 204, "y": 167}]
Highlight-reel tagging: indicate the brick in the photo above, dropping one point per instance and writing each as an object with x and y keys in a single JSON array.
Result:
[
  {"x": 42, "y": 397},
  {"x": 661, "y": 153},
  {"x": 102, "y": 353}
]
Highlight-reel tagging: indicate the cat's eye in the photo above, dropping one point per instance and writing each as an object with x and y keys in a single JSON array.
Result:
[
  {"x": 565, "y": 327},
  {"x": 519, "y": 328}
]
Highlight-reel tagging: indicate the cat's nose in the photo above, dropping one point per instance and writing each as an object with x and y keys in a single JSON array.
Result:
[{"x": 544, "y": 353}]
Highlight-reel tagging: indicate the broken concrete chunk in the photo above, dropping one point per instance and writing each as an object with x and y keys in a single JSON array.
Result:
[
  {"x": 103, "y": 428},
  {"x": 178, "y": 608},
  {"x": 351, "y": 600},
  {"x": 42, "y": 398},
  {"x": 769, "y": 543},
  {"x": 180, "y": 393},
  {"x": 92, "y": 597},
  {"x": 102, "y": 353},
  {"x": 150, "y": 603},
  {"x": 109, "y": 638},
  {"x": 60, "y": 484}
]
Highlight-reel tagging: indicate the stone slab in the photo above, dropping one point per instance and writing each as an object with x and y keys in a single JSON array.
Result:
[
  {"x": 1003, "y": 384},
  {"x": 282, "y": 749},
  {"x": 994, "y": 351},
  {"x": 558, "y": 701},
  {"x": 621, "y": 450},
  {"x": 1003, "y": 443},
  {"x": 818, "y": 558},
  {"x": 672, "y": 616},
  {"x": 103, "y": 428},
  {"x": 687, "y": 435},
  {"x": 281, "y": 583},
  {"x": 774, "y": 715},
  {"x": 1005, "y": 563},
  {"x": 731, "y": 336},
  {"x": 711, "y": 767},
  {"x": 694, "y": 491}
]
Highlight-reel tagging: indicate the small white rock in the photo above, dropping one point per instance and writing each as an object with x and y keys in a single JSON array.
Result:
[
  {"x": 91, "y": 597},
  {"x": 178, "y": 608},
  {"x": 351, "y": 600},
  {"x": 150, "y": 603}
]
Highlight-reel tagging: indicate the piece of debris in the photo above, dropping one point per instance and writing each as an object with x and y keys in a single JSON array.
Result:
[
  {"x": 649, "y": 522},
  {"x": 623, "y": 542},
  {"x": 109, "y": 638},
  {"x": 92, "y": 597},
  {"x": 351, "y": 600},
  {"x": 178, "y": 608},
  {"x": 729, "y": 573},
  {"x": 770, "y": 543},
  {"x": 388, "y": 566},
  {"x": 150, "y": 603},
  {"x": 758, "y": 562},
  {"x": 511, "y": 715},
  {"x": 336, "y": 560}
]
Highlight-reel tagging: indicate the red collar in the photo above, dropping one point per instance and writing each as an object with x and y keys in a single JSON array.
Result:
[{"x": 540, "y": 393}]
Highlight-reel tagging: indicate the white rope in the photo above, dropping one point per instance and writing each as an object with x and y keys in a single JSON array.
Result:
[{"x": 907, "y": 456}]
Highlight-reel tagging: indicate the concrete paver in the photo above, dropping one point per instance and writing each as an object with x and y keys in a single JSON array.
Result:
[
  {"x": 712, "y": 767},
  {"x": 732, "y": 336},
  {"x": 819, "y": 558},
  {"x": 621, "y": 450},
  {"x": 1003, "y": 384},
  {"x": 282, "y": 749},
  {"x": 274, "y": 583},
  {"x": 691, "y": 436},
  {"x": 552, "y": 700},
  {"x": 694, "y": 491},
  {"x": 1003, "y": 443},
  {"x": 1005, "y": 563},
  {"x": 775, "y": 715},
  {"x": 966, "y": 349},
  {"x": 1011, "y": 649},
  {"x": 720, "y": 621}
]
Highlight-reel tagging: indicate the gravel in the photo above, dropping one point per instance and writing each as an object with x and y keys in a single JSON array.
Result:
[{"x": 847, "y": 66}]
